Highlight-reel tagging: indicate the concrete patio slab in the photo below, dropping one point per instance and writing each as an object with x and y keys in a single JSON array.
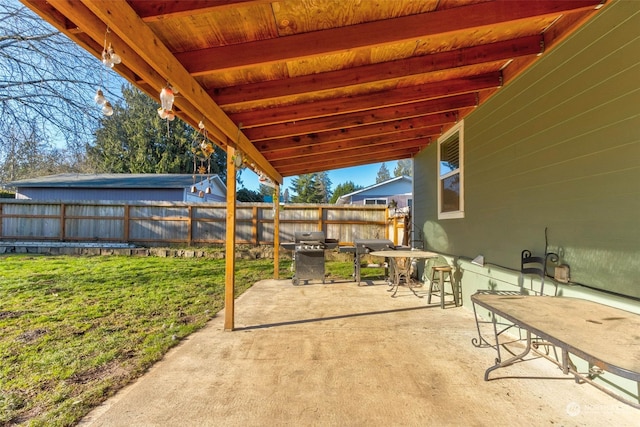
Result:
[{"x": 339, "y": 354}]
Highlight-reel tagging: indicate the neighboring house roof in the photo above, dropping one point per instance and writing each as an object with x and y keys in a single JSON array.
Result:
[
  {"x": 167, "y": 187},
  {"x": 111, "y": 180},
  {"x": 398, "y": 179}
]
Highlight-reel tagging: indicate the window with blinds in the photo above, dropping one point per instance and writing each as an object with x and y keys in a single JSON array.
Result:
[{"x": 450, "y": 189}]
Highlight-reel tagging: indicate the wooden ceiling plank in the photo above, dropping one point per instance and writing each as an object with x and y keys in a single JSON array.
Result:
[
  {"x": 124, "y": 22},
  {"x": 503, "y": 50},
  {"x": 369, "y": 102},
  {"x": 346, "y": 121},
  {"x": 440, "y": 119},
  {"x": 376, "y": 33}
]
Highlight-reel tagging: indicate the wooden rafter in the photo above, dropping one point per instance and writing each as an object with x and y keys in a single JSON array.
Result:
[
  {"x": 323, "y": 84},
  {"x": 341, "y": 39},
  {"x": 504, "y": 50}
]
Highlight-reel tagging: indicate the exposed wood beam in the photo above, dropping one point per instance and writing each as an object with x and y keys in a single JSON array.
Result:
[
  {"x": 357, "y": 150},
  {"x": 369, "y": 141},
  {"x": 235, "y": 96},
  {"x": 380, "y": 154},
  {"x": 156, "y": 11},
  {"x": 343, "y": 39},
  {"x": 139, "y": 37},
  {"x": 564, "y": 26},
  {"x": 331, "y": 107},
  {"x": 230, "y": 244},
  {"x": 271, "y": 145},
  {"x": 346, "y": 121},
  {"x": 133, "y": 67}
]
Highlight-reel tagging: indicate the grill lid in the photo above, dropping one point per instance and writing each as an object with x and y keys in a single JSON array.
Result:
[{"x": 309, "y": 236}]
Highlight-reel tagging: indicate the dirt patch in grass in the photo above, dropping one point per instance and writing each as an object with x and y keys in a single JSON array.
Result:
[
  {"x": 11, "y": 314},
  {"x": 30, "y": 336},
  {"x": 114, "y": 370}
]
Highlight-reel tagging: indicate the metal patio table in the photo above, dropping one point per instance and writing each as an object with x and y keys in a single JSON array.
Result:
[{"x": 400, "y": 262}]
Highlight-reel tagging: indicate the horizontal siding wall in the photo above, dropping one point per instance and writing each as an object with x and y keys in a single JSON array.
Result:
[{"x": 558, "y": 148}]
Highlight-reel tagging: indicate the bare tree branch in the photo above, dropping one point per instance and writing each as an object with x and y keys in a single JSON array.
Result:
[{"x": 47, "y": 83}]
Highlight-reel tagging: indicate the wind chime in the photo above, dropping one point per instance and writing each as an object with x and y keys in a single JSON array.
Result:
[
  {"x": 202, "y": 150},
  {"x": 167, "y": 97},
  {"x": 109, "y": 59}
]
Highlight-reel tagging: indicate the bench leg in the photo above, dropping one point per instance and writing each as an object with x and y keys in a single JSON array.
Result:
[
  {"x": 511, "y": 360},
  {"x": 479, "y": 342}
]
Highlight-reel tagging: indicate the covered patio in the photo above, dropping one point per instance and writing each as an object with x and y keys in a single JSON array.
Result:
[
  {"x": 296, "y": 87},
  {"x": 534, "y": 102},
  {"x": 342, "y": 354}
]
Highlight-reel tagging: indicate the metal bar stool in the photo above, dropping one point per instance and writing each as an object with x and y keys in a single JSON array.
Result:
[{"x": 439, "y": 276}]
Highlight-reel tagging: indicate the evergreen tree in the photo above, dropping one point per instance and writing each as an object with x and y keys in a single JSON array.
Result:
[
  {"x": 323, "y": 186},
  {"x": 403, "y": 168},
  {"x": 344, "y": 188},
  {"x": 246, "y": 195},
  {"x": 311, "y": 188},
  {"x": 383, "y": 174},
  {"x": 265, "y": 190},
  {"x": 136, "y": 140}
]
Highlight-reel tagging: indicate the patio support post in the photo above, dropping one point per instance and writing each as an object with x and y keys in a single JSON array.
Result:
[
  {"x": 276, "y": 232},
  {"x": 230, "y": 247}
]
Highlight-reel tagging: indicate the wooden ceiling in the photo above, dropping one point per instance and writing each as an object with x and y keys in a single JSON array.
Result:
[{"x": 302, "y": 86}]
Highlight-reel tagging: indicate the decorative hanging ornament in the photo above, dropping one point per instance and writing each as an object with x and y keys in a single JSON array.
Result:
[
  {"x": 107, "y": 109},
  {"x": 99, "y": 98},
  {"x": 167, "y": 96},
  {"x": 110, "y": 57}
]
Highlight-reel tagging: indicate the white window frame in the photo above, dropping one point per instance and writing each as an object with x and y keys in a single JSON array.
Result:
[
  {"x": 459, "y": 130},
  {"x": 376, "y": 200}
]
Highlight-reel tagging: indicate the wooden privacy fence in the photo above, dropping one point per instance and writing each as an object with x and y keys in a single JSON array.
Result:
[{"x": 158, "y": 223}]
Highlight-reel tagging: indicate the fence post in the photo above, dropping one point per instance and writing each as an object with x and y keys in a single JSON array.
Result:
[
  {"x": 190, "y": 225},
  {"x": 254, "y": 226},
  {"x": 126, "y": 222},
  {"x": 62, "y": 222},
  {"x": 276, "y": 232}
]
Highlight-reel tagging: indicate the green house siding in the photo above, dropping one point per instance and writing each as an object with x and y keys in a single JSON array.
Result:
[{"x": 558, "y": 148}]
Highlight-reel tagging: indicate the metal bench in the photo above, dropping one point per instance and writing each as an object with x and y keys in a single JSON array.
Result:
[{"x": 603, "y": 336}]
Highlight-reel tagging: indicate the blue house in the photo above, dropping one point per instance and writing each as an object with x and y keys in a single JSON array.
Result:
[
  {"x": 122, "y": 187},
  {"x": 398, "y": 190}
]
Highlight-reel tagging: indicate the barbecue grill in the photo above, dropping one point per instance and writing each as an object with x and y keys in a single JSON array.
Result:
[
  {"x": 309, "y": 259},
  {"x": 364, "y": 246}
]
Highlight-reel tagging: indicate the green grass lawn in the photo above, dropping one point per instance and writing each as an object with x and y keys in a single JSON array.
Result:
[{"x": 74, "y": 330}]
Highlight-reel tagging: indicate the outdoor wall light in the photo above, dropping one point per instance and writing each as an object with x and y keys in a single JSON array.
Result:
[{"x": 479, "y": 261}]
